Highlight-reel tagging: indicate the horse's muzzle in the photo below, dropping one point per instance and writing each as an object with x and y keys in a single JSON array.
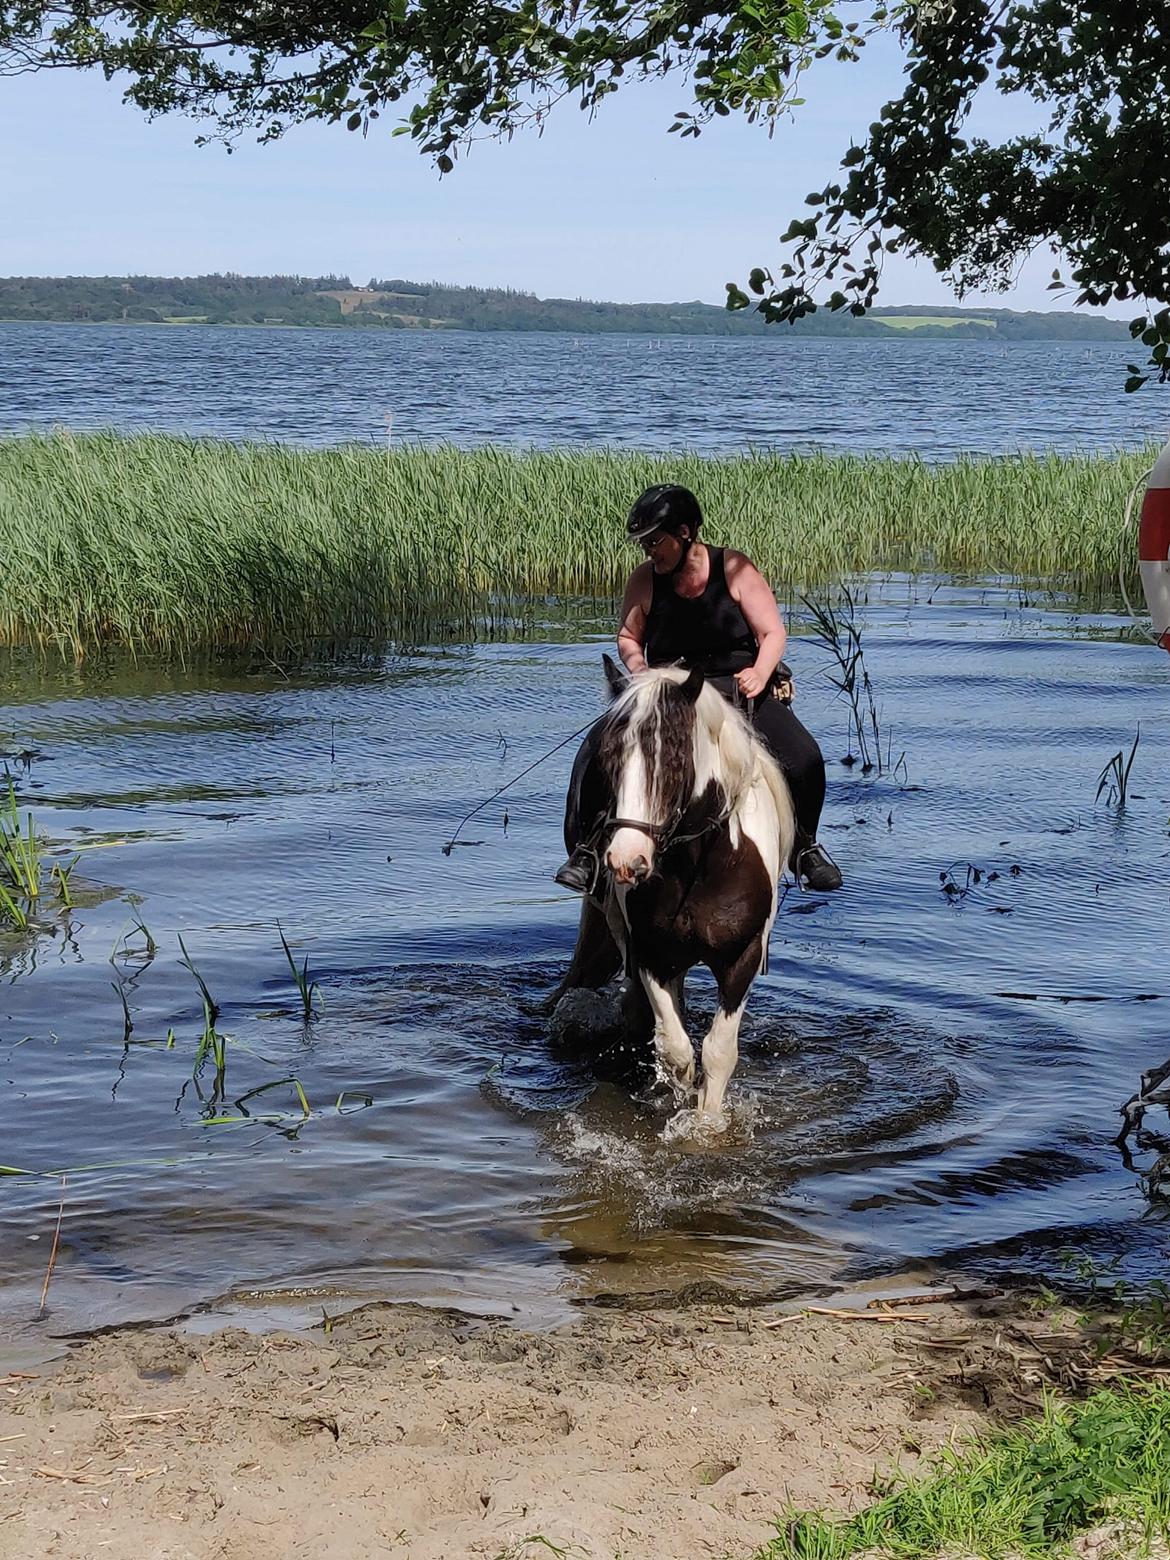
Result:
[
  {"x": 629, "y": 860},
  {"x": 629, "y": 873}
]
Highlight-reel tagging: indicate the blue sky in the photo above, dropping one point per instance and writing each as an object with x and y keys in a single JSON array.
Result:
[{"x": 615, "y": 209}]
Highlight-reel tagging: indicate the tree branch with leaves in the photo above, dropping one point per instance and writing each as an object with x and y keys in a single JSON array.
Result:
[{"x": 1094, "y": 184}]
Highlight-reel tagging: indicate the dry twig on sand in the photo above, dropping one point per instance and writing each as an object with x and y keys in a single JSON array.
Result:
[{"x": 53, "y": 1252}]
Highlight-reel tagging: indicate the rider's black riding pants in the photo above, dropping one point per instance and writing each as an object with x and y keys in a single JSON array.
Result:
[{"x": 795, "y": 749}]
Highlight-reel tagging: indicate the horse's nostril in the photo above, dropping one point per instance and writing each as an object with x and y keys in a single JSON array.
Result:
[{"x": 641, "y": 869}]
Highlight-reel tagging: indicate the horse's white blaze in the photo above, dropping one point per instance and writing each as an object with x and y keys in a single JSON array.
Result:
[{"x": 632, "y": 801}]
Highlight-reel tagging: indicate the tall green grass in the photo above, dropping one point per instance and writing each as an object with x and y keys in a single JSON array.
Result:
[{"x": 179, "y": 545}]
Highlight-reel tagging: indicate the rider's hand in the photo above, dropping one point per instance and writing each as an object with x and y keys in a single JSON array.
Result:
[{"x": 750, "y": 683}]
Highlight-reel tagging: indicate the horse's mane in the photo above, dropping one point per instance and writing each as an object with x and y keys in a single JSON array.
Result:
[{"x": 725, "y": 747}]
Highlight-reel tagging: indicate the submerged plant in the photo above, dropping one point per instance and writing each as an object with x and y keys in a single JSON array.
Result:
[
  {"x": 1114, "y": 778},
  {"x": 20, "y": 861},
  {"x": 123, "y": 948},
  {"x": 127, "y": 1021},
  {"x": 22, "y": 864},
  {"x": 223, "y": 1118},
  {"x": 12, "y": 911},
  {"x": 61, "y": 876},
  {"x": 212, "y": 1042},
  {"x": 835, "y": 625},
  {"x": 308, "y": 989}
]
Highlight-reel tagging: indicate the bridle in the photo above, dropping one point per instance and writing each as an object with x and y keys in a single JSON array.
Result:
[
  {"x": 661, "y": 833},
  {"x": 665, "y": 835}
]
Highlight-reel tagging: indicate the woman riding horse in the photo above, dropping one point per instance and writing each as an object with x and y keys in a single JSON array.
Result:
[{"x": 710, "y": 608}]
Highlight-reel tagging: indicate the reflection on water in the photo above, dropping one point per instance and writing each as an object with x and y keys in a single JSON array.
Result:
[{"x": 924, "y": 1074}]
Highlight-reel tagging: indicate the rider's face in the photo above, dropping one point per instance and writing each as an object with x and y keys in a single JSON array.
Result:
[{"x": 663, "y": 549}]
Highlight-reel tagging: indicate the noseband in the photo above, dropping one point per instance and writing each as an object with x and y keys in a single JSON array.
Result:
[{"x": 661, "y": 833}]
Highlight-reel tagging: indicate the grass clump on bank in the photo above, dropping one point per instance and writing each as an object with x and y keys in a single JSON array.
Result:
[
  {"x": 171, "y": 544},
  {"x": 1025, "y": 1492}
]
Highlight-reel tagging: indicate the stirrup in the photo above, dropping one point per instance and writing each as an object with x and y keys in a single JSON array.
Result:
[{"x": 816, "y": 865}]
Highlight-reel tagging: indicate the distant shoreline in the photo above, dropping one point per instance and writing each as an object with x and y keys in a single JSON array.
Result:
[{"x": 334, "y": 302}]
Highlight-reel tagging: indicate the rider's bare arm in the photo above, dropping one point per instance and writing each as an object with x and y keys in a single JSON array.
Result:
[
  {"x": 757, "y": 603},
  {"x": 632, "y": 621}
]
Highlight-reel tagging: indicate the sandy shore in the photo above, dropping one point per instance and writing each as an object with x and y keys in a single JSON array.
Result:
[{"x": 427, "y": 1435}]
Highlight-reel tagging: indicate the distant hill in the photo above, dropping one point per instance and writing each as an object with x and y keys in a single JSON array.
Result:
[{"x": 401, "y": 305}]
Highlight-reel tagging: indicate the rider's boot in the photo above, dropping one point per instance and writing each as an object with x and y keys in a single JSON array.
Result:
[
  {"x": 578, "y": 872},
  {"x": 812, "y": 865}
]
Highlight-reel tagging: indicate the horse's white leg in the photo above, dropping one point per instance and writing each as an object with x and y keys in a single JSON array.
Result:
[
  {"x": 677, "y": 989},
  {"x": 721, "y": 1043},
  {"x": 720, "y": 1054},
  {"x": 671, "y": 1041}
]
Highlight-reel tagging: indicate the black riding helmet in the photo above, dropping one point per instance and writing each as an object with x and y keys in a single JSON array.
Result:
[{"x": 664, "y": 507}]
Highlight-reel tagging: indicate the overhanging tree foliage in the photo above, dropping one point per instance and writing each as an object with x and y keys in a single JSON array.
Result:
[
  {"x": 459, "y": 67},
  {"x": 1094, "y": 182}
]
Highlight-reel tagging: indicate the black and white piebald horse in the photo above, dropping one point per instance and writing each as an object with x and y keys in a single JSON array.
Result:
[{"x": 691, "y": 822}]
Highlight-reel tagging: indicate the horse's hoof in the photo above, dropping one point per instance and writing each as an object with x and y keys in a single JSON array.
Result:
[{"x": 695, "y": 1128}]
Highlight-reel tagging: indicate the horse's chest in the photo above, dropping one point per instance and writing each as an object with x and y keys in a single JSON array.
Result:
[{"x": 717, "y": 905}]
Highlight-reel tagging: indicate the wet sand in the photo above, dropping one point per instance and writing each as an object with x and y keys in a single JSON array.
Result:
[{"x": 429, "y": 1435}]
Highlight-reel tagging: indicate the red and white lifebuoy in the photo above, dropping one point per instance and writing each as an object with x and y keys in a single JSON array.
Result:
[{"x": 1154, "y": 547}]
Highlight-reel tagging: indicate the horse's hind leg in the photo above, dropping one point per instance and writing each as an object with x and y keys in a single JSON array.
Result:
[
  {"x": 596, "y": 958},
  {"x": 671, "y": 1041},
  {"x": 721, "y": 1042}
]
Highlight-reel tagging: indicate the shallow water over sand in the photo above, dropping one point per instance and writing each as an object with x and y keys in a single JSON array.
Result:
[{"x": 923, "y": 1077}]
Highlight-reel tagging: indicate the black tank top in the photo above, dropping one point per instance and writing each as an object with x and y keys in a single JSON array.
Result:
[{"x": 708, "y": 631}]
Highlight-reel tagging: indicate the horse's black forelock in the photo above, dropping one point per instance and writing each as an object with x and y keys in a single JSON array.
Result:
[{"x": 666, "y": 738}]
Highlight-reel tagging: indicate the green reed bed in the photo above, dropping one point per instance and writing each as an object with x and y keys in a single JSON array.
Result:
[{"x": 174, "y": 544}]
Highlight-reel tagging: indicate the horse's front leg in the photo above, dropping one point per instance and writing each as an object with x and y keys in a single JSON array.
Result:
[
  {"x": 671, "y": 1041},
  {"x": 721, "y": 1042}
]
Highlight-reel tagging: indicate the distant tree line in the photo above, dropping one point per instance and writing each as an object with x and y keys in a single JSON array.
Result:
[{"x": 395, "y": 304}]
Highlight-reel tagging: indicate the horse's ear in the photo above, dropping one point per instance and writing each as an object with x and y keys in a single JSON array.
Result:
[
  {"x": 693, "y": 685},
  {"x": 615, "y": 676}
]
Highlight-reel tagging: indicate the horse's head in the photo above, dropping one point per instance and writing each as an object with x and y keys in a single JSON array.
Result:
[{"x": 647, "y": 754}]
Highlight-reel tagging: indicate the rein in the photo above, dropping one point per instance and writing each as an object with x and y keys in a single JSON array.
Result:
[{"x": 508, "y": 784}]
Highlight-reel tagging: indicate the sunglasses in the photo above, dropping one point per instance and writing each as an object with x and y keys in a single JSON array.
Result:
[{"x": 649, "y": 543}]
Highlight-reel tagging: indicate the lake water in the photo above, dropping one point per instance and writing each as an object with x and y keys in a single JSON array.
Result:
[
  {"x": 932, "y": 398},
  {"x": 923, "y": 1079}
]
